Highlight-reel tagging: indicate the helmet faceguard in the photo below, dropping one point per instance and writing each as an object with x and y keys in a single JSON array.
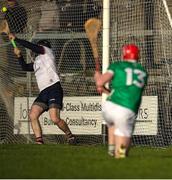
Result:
[
  {"x": 130, "y": 52},
  {"x": 44, "y": 43}
]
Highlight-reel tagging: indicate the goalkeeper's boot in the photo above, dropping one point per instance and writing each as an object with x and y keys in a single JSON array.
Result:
[
  {"x": 121, "y": 153},
  {"x": 72, "y": 140},
  {"x": 39, "y": 140}
]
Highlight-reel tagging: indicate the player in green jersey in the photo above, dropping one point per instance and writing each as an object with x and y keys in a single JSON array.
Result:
[{"x": 128, "y": 79}]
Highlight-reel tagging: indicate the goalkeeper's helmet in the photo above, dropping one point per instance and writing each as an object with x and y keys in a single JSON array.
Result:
[
  {"x": 130, "y": 52},
  {"x": 44, "y": 43}
]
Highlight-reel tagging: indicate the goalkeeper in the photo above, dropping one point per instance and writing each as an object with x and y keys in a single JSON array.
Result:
[
  {"x": 51, "y": 93},
  {"x": 128, "y": 79}
]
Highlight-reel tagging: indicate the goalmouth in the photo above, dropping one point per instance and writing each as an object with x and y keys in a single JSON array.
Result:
[{"x": 146, "y": 23}]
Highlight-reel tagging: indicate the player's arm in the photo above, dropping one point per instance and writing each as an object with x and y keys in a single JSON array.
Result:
[
  {"x": 33, "y": 47},
  {"x": 24, "y": 65},
  {"x": 101, "y": 80}
]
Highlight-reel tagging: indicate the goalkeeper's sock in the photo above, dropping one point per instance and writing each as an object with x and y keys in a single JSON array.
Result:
[
  {"x": 64, "y": 127},
  {"x": 111, "y": 149}
]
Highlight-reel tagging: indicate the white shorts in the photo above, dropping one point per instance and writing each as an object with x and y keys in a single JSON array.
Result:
[{"x": 123, "y": 118}]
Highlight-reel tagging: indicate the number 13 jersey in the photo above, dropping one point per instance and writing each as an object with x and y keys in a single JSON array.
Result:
[{"x": 128, "y": 82}]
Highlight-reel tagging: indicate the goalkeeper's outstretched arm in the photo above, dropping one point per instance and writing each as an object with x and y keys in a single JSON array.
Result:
[{"x": 33, "y": 47}]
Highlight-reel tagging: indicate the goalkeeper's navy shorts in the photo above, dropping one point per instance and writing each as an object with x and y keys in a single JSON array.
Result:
[{"x": 51, "y": 97}]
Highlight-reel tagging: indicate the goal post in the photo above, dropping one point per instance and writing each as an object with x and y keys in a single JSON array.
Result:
[
  {"x": 146, "y": 23},
  {"x": 105, "y": 54}
]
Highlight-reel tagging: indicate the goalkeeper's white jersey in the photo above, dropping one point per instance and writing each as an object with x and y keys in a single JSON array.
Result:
[{"x": 45, "y": 69}]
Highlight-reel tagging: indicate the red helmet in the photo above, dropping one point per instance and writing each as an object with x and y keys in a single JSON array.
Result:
[{"x": 130, "y": 52}]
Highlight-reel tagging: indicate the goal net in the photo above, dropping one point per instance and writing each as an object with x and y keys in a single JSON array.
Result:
[
  {"x": 147, "y": 24},
  {"x": 144, "y": 22}
]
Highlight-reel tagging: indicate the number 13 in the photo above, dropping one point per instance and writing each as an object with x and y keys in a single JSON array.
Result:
[{"x": 139, "y": 82}]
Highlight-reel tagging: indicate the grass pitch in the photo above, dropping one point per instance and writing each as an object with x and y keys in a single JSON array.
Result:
[{"x": 82, "y": 162}]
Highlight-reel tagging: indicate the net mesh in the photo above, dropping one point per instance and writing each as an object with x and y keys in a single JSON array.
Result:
[{"x": 144, "y": 22}]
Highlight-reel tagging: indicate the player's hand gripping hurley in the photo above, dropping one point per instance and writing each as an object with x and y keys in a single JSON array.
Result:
[{"x": 92, "y": 28}]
